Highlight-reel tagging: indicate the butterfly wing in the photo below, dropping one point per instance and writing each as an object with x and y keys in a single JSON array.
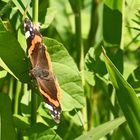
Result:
[
  {"x": 34, "y": 39},
  {"x": 47, "y": 83},
  {"x": 42, "y": 69}
]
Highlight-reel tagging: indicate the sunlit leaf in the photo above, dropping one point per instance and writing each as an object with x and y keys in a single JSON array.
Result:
[
  {"x": 101, "y": 130},
  {"x": 51, "y": 12},
  {"x": 67, "y": 74},
  {"x": 3, "y": 73}
]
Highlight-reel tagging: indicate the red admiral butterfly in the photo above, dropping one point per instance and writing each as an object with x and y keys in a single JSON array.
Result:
[{"x": 42, "y": 69}]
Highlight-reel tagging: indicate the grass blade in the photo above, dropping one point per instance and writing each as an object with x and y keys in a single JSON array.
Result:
[
  {"x": 102, "y": 130},
  {"x": 126, "y": 95}
]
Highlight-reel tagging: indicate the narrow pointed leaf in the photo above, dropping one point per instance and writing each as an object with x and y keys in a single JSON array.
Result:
[
  {"x": 102, "y": 130},
  {"x": 127, "y": 98}
]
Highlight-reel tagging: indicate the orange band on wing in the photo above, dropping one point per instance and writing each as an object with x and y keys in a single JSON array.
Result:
[
  {"x": 48, "y": 59},
  {"x": 58, "y": 91},
  {"x": 50, "y": 69},
  {"x": 55, "y": 102},
  {"x": 37, "y": 39}
]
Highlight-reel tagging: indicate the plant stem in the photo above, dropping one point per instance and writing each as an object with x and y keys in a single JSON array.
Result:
[
  {"x": 16, "y": 105},
  {"x": 76, "y": 7},
  {"x": 78, "y": 31},
  {"x": 11, "y": 84},
  {"x": 33, "y": 106},
  {"x": 93, "y": 25},
  {"x": 123, "y": 26},
  {"x": 35, "y": 11},
  {"x": 33, "y": 94}
]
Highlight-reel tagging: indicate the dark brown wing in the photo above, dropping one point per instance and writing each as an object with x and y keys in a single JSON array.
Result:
[
  {"x": 42, "y": 59},
  {"x": 34, "y": 38},
  {"x": 51, "y": 93},
  {"x": 47, "y": 83}
]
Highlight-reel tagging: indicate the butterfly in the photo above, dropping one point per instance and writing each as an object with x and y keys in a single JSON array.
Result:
[{"x": 42, "y": 69}]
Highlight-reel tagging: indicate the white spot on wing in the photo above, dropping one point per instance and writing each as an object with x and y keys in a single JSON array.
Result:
[
  {"x": 27, "y": 34},
  {"x": 31, "y": 29},
  {"x": 48, "y": 106},
  {"x": 24, "y": 24},
  {"x": 55, "y": 112}
]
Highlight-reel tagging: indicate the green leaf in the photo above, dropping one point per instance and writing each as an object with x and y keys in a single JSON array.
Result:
[
  {"x": 67, "y": 74},
  {"x": 112, "y": 21},
  {"x": 94, "y": 65},
  {"x": 21, "y": 123},
  {"x": 114, "y": 4},
  {"x": 3, "y": 73},
  {"x": 89, "y": 76},
  {"x": 134, "y": 79},
  {"x": 116, "y": 55},
  {"x": 72, "y": 127},
  {"x": 21, "y": 6},
  {"x": 41, "y": 132},
  {"x": 102, "y": 130},
  {"x": 51, "y": 12},
  {"x": 7, "y": 130},
  {"x": 93, "y": 61},
  {"x": 21, "y": 39},
  {"x": 12, "y": 57},
  {"x": 127, "y": 98}
]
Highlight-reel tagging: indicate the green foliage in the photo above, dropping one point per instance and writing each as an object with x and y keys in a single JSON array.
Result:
[
  {"x": 14, "y": 53},
  {"x": 131, "y": 106},
  {"x": 6, "y": 120},
  {"x": 99, "y": 87},
  {"x": 102, "y": 130},
  {"x": 112, "y": 12}
]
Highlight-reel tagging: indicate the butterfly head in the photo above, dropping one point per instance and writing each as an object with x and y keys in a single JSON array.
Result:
[
  {"x": 31, "y": 29},
  {"x": 28, "y": 27}
]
